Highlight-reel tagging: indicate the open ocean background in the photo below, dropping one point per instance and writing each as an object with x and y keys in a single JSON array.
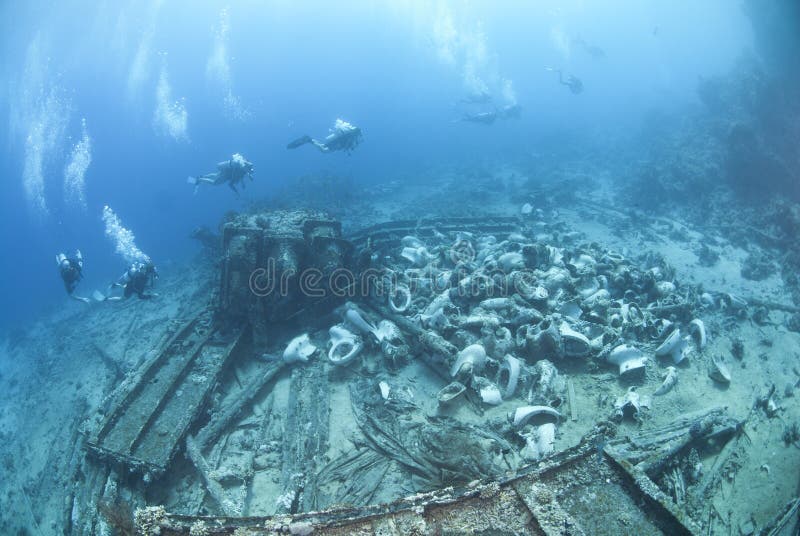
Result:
[{"x": 166, "y": 89}]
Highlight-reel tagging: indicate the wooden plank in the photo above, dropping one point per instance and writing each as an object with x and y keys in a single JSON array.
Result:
[
  {"x": 573, "y": 408},
  {"x": 214, "y": 488},
  {"x": 154, "y": 412},
  {"x": 223, "y": 418},
  {"x": 551, "y": 518},
  {"x": 132, "y": 385}
]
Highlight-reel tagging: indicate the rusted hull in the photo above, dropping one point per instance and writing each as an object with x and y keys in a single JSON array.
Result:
[{"x": 583, "y": 490}]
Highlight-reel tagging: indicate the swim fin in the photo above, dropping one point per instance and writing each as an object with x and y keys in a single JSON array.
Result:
[
  {"x": 193, "y": 181},
  {"x": 298, "y": 142},
  {"x": 98, "y": 296}
]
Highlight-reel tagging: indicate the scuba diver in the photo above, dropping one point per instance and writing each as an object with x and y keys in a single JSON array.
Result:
[
  {"x": 232, "y": 171},
  {"x": 574, "y": 84},
  {"x": 343, "y": 137},
  {"x": 139, "y": 276},
  {"x": 481, "y": 97},
  {"x": 71, "y": 271},
  {"x": 510, "y": 111},
  {"x": 594, "y": 51},
  {"x": 485, "y": 118}
]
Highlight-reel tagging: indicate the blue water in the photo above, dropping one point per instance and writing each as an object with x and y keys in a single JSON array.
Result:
[{"x": 396, "y": 69}]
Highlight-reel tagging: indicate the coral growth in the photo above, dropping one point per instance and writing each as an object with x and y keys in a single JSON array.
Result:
[{"x": 148, "y": 520}]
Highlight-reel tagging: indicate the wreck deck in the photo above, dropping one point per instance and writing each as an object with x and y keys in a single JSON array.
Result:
[
  {"x": 596, "y": 487},
  {"x": 152, "y": 411}
]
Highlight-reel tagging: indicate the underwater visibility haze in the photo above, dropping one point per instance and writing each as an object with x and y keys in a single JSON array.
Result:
[
  {"x": 162, "y": 91},
  {"x": 267, "y": 259}
]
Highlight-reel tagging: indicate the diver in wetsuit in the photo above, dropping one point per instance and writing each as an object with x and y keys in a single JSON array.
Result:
[
  {"x": 573, "y": 83},
  {"x": 139, "y": 276},
  {"x": 594, "y": 51},
  {"x": 231, "y": 171},
  {"x": 481, "y": 97},
  {"x": 485, "y": 118},
  {"x": 510, "y": 111},
  {"x": 343, "y": 137},
  {"x": 71, "y": 271}
]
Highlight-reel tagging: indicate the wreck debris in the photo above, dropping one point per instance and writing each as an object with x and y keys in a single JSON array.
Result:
[
  {"x": 573, "y": 408},
  {"x": 293, "y": 241},
  {"x": 539, "y": 442},
  {"x": 384, "y": 389},
  {"x": 631, "y": 405},
  {"x": 361, "y": 473},
  {"x": 573, "y": 344},
  {"x": 651, "y": 456},
  {"x": 471, "y": 359},
  {"x": 148, "y": 520},
  {"x": 345, "y": 345},
  {"x": 450, "y": 392},
  {"x": 546, "y": 493},
  {"x": 223, "y": 417},
  {"x": 523, "y": 414},
  {"x": 214, "y": 488},
  {"x": 674, "y": 346},
  {"x": 627, "y": 358},
  {"x": 488, "y": 391},
  {"x": 299, "y": 350},
  {"x": 718, "y": 371},
  {"x": 593, "y": 304},
  {"x": 211, "y": 432},
  {"x": 547, "y": 386},
  {"x": 399, "y": 298},
  {"x": 670, "y": 379},
  {"x": 698, "y": 330},
  {"x": 354, "y": 317},
  {"x": 143, "y": 430},
  {"x": 305, "y": 439},
  {"x": 509, "y": 375},
  {"x": 786, "y": 516}
]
